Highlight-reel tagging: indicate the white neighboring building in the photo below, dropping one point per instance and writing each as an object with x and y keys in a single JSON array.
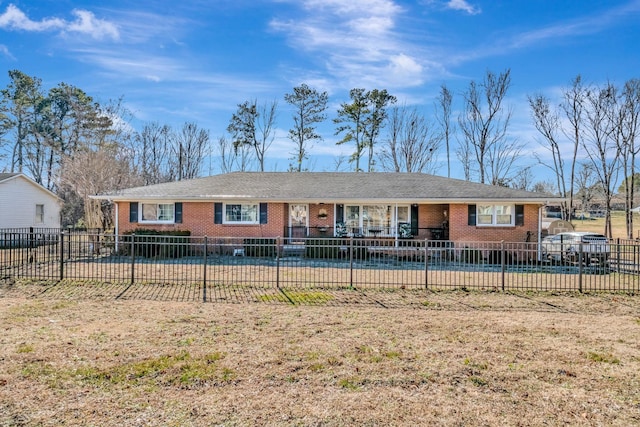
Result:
[{"x": 25, "y": 203}]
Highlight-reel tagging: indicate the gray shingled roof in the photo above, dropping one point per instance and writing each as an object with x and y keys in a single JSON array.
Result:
[
  {"x": 4, "y": 176},
  {"x": 326, "y": 187}
]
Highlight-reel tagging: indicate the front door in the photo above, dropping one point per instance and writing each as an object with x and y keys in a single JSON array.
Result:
[{"x": 298, "y": 220}]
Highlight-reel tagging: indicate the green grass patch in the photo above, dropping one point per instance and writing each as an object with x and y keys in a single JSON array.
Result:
[
  {"x": 475, "y": 365},
  {"x": 351, "y": 383},
  {"x": 602, "y": 357},
  {"x": 298, "y": 297},
  {"x": 478, "y": 381},
  {"x": 181, "y": 370},
  {"x": 25, "y": 348}
]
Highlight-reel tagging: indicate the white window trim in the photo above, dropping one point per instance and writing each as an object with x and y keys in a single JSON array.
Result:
[
  {"x": 224, "y": 213},
  {"x": 40, "y": 218},
  {"x": 394, "y": 219},
  {"x": 494, "y": 215},
  {"x": 155, "y": 221}
]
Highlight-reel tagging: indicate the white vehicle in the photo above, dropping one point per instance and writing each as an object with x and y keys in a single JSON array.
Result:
[{"x": 567, "y": 246}]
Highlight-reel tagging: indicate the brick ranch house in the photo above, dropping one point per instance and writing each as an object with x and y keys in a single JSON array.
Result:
[{"x": 328, "y": 204}]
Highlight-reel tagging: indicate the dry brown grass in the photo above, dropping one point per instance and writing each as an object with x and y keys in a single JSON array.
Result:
[
  {"x": 445, "y": 358},
  {"x": 618, "y": 227}
]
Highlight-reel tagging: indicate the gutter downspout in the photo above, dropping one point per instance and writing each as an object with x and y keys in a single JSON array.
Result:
[{"x": 540, "y": 232}]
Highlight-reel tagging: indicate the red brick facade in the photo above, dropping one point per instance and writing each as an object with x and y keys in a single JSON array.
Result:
[
  {"x": 460, "y": 231},
  {"x": 198, "y": 218}
]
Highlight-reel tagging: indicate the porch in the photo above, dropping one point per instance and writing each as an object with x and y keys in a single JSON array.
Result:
[
  {"x": 385, "y": 221},
  {"x": 401, "y": 232}
]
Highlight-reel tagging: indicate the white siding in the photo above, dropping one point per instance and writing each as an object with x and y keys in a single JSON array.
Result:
[{"x": 18, "y": 199}]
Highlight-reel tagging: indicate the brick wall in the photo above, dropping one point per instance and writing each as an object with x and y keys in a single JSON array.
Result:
[
  {"x": 459, "y": 230},
  {"x": 198, "y": 218}
]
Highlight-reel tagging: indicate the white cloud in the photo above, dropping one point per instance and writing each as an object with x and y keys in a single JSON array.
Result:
[
  {"x": 85, "y": 23},
  {"x": 464, "y": 6},
  {"x": 358, "y": 42},
  {"x": 14, "y": 19},
  {"x": 4, "y": 50}
]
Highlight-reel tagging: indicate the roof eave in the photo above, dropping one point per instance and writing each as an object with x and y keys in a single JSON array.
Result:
[{"x": 316, "y": 200}]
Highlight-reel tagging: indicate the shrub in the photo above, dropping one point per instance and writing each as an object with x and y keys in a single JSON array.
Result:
[{"x": 158, "y": 244}]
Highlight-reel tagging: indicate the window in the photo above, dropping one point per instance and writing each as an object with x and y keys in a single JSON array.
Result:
[
  {"x": 158, "y": 212},
  {"x": 374, "y": 218},
  {"x": 403, "y": 214},
  {"x": 495, "y": 215},
  {"x": 352, "y": 219},
  {"x": 39, "y": 214},
  {"x": 241, "y": 213}
]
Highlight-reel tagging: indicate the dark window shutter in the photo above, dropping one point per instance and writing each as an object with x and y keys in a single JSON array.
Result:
[
  {"x": 519, "y": 214},
  {"x": 217, "y": 213},
  {"x": 178, "y": 213},
  {"x": 133, "y": 212},
  {"x": 415, "y": 229},
  {"x": 472, "y": 215},
  {"x": 339, "y": 213},
  {"x": 263, "y": 213}
]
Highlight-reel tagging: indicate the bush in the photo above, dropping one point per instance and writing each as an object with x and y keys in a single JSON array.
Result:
[{"x": 158, "y": 244}]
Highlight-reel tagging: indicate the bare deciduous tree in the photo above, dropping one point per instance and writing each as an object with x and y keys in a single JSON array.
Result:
[
  {"x": 484, "y": 123},
  {"x": 189, "y": 148},
  {"x": 547, "y": 122},
  {"x": 627, "y": 123},
  {"x": 585, "y": 186},
  {"x": 600, "y": 144},
  {"x": 412, "y": 143},
  {"x": 90, "y": 172},
  {"x": 573, "y": 107},
  {"x": 153, "y": 148},
  {"x": 443, "y": 115}
]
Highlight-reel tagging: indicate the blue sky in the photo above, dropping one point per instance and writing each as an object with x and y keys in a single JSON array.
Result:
[{"x": 195, "y": 60}]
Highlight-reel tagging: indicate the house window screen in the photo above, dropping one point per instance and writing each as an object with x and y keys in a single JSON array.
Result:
[
  {"x": 495, "y": 215},
  {"x": 158, "y": 212},
  {"x": 485, "y": 215},
  {"x": 504, "y": 215},
  {"x": 241, "y": 213},
  {"x": 39, "y": 214},
  {"x": 376, "y": 216},
  {"x": 403, "y": 214}
]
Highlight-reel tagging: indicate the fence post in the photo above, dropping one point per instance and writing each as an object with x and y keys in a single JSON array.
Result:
[
  {"x": 426, "y": 264},
  {"x": 61, "y": 255},
  {"x": 580, "y": 254},
  {"x": 133, "y": 257},
  {"x": 502, "y": 257},
  {"x": 351, "y": 262},
  {"x": 204, "y": 273},
  {"x": 618, "y": 253},
  {"x": 278, "y": 262}
]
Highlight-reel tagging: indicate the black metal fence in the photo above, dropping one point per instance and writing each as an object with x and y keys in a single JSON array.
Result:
[{"x": 310, "y": 263}]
